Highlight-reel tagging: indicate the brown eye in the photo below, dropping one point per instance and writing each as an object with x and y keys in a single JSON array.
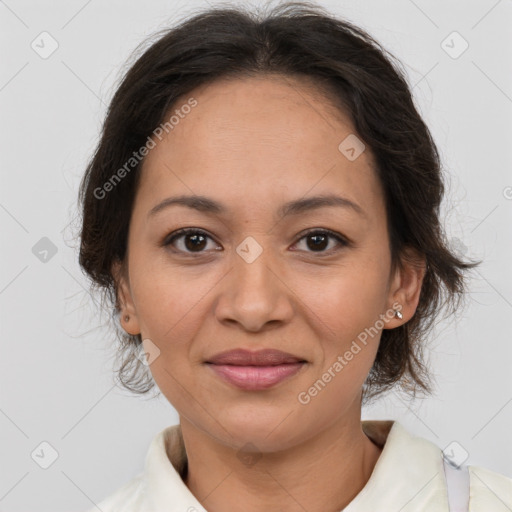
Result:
[
  {"x": 188, "y": 240},
  {"x": 194, "y": 242},
  {"x": 318, "y": 241}
]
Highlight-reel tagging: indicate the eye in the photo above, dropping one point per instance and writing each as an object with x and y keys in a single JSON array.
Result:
[
  {"x": 194, "y": 240},
  {"x": 318, "y": 240}
]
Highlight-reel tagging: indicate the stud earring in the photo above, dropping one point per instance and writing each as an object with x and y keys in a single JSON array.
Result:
[
  {"x": 398, "y": 314},
  {"x": 126, "y": 318}
]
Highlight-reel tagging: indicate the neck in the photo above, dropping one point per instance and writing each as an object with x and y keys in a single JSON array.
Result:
[{"x": 323, "y": 473}]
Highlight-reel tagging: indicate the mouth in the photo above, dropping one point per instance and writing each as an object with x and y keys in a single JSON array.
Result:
[{"x": 255, "y": 370}]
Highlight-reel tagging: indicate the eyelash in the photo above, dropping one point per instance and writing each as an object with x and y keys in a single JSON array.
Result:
[{"x": 169, "y": 240}]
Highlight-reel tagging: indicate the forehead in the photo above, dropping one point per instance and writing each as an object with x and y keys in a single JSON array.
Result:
[{"x": 255, "y": 137}]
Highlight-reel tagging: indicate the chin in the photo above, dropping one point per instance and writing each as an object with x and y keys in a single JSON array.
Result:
[{"x": 268, "y": 428}]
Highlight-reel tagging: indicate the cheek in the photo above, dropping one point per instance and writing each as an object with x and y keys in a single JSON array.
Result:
[
  {"x": 347, "y": 308},
  {"x": 171, "y": 311},
  {"x": 171, "y": 306},
  {"x": 348, "y": 316},
  {"x": 350, "y": 300},
  {"x": 169, "y": 301}
]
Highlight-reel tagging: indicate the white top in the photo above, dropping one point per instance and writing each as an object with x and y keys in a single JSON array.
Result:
[{"x": 409, "y": 477}]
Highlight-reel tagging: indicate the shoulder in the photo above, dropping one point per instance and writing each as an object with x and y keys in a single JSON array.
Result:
[
  {"x": 127, "y": 498},
  {"x": 409, "y": 463},
  {"x": 160, "y": 483},
  {"x": 489, "y": 490}
]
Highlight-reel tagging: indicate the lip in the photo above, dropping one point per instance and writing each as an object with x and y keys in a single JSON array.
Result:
[
  {"x": 255, "y": 370},
  {"x": 264, "y": 357}
]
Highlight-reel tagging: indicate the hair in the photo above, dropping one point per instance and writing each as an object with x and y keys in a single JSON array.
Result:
[{"x": 300, "y": 40}]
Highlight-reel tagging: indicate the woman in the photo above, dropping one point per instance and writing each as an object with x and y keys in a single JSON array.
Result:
[{"x": 262, "y": 212}]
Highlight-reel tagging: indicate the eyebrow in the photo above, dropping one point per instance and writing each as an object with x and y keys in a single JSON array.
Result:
[{"x": 207, "y": 205}]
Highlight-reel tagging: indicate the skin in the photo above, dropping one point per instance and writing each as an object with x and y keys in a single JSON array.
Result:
[{"x": 253, "y": 144}]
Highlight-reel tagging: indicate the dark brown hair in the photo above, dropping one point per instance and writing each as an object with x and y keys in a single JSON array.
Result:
[{"x": 296, "y": 39}]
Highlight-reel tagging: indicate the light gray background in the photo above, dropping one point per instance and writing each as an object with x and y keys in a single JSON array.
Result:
[{"x": 56, "y": 379}]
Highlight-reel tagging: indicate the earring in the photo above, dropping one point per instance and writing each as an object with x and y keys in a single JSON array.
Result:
[
  {"x": 126, "y": 318},
  {"x": 398, "y": 314}
]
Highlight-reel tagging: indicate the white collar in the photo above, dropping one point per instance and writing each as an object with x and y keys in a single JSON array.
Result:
[{"x": 408, "y": 475}]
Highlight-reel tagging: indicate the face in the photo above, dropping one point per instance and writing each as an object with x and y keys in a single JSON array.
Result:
[{"x": 251, "y": 275}]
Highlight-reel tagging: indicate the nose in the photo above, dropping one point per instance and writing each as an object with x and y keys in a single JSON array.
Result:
[{"x": 254, "y": 295}]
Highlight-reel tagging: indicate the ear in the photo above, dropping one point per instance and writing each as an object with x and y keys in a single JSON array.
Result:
[
  {"x": 128, "y": 314},
  {"x": 405, "y": 286}
]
